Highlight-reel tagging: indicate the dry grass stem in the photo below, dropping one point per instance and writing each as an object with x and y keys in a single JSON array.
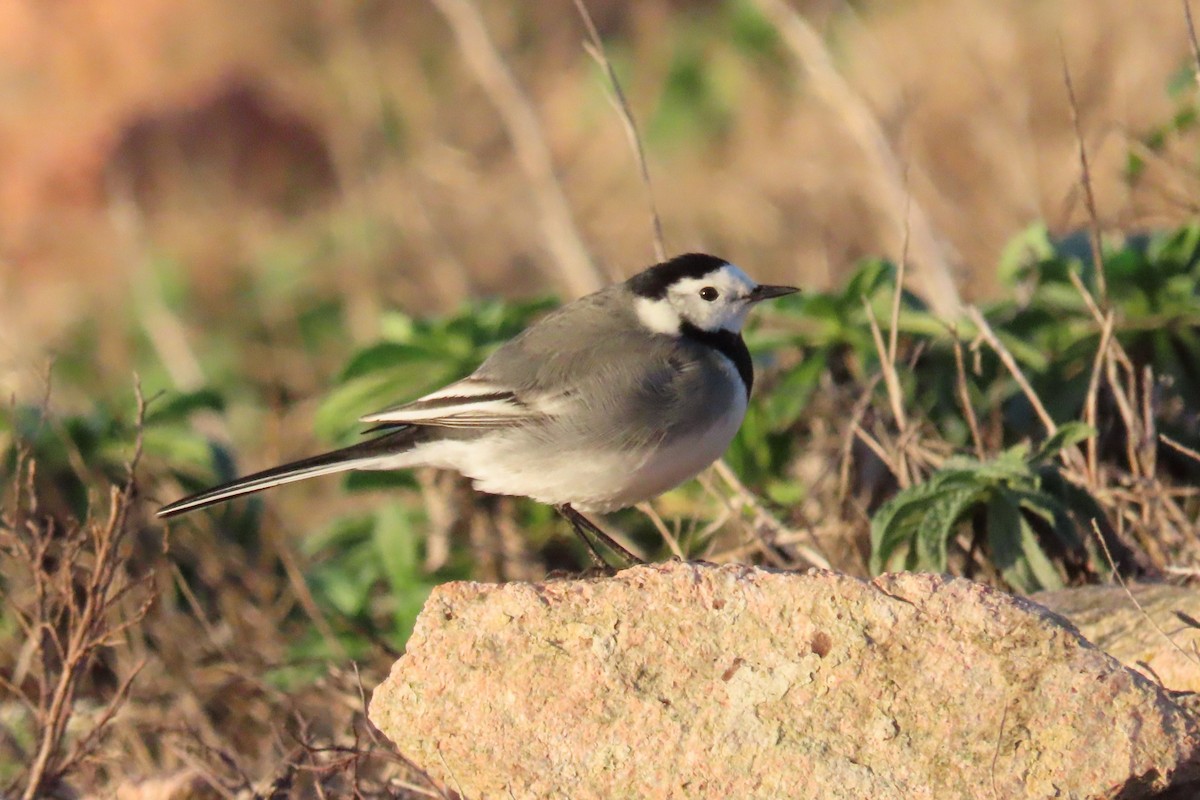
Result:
[
  {"x": 1148, "y": 432},
  {"x": 879, "y": 450},
  {"x": 895, "y": 398},
  {"x": 852, "y": 433},
  {"x": 891, "y": 378},
  {"x": 1090, "y": 399},
  {"x": 1125, "y": 408},
  {"x": 1014, "y": 369},
  {"x": 670, "y": 538},
  {"x": 901, "y": 270},
  {"x": 1191, "y": 29},
  {"x": 595, "y": 48},
  {"x": 1117, "y": 574},
  {"x": 1180, "y": 448},
  {"x": 964, "y": 397},
  {"x": 762, "y": 517},
  {"x": 575, "y": 272},
  {"x": 935, "y": 275},
  {"x": 1085, "y": 173},
  {"x": 72, "y": 599},
  {"x": 304, "y": 597}
]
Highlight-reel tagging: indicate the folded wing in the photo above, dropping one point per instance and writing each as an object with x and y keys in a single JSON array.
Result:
[{"x": 470, "y": 403}]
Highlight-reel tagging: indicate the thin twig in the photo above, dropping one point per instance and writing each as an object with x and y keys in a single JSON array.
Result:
[
  {"x": 1182, "y": 448},
  {"x": 1089, "y": 403},
  {"x": 898, "y": 289},
  {"x": 931, "y": 256},
  {"x": 1117, "y": 574},
  {"x": 856, "y": 417},
  {"x": 964, "y": 396},
  {"x": 1191, "y": 27},
  {"x": 575, "y": 269},
  {"x": 1088, "y": 300},
  {"x": 764, "y": 517},
  {"x": 78, "y": 583},
  {"x": 1010, "y": 363},
  {"x": 661, "y": 526},
  {"x": 1089, "y": 196},
  {"x": 878, "y": 449},
  {"x": 595, "y": 48},
  {"x": 891, "y": 378},
  {"x": 1113, "y": 354},
  {"x": 1125, "y": 409}
]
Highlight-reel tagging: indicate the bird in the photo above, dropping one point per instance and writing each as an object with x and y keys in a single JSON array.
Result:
[{"x": 608, "y": 401}]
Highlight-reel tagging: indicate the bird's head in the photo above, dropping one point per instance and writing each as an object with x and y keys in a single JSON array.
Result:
[{"x": 700, "y": 290}]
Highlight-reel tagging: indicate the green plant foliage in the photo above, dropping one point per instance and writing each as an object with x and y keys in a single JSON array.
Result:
[
  {"x": 814, "y": 356},
  {"x": 753, "y": 34},
  {"x": 825, "y": 337},
  {"x": 1152, "y": 283},
  {"x": 75, "y": 451},
  {"x": 1183, "y": 120},
  {"x": 419, "y": 356},
  {"x": 692, "y": 102},
  {"x": 913, "y": 529},
  {"x": 367, "y": 574}
]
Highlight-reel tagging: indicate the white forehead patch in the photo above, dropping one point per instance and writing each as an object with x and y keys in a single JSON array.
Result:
[
  {"x": 734, "y": 275},
  {"x": 658, "y": 315}
]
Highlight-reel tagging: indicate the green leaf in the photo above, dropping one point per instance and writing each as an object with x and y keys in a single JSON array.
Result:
[
  {"x": 398, "y": 546},
  {"x": 386, "y": 356},
  {"x": 750, "y": 31},
  {"x": 177, "y": 446},
  {"x": 396, "y": 326},
  {"x": 1022, "y": 251},
  {"x": 1015, "y": 549},
  {"x": 902, "y": 521},
  {"x": 1135, "y": 165},
  {"x": 179, "y": 406},
  {"x": 894, "y": 526},
  {"x": 1010, "y": 467},
  {"x": 788, "y": 399},
  {"x": 1068, "y": 434},
  {"x": 940, "y": 522},
  {"x": 1051, "y": 511},
  {"x": 337, "y": 416}
]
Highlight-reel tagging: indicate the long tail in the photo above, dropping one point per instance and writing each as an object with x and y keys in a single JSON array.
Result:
[{"x": 357, "y": 456}]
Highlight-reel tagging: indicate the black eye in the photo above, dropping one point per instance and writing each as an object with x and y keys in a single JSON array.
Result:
[{"x": 709, "y": 293}]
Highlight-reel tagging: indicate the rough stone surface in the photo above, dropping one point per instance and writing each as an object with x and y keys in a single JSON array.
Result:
[
  {"x": 1163, "y": 647},
  {"x": 692, "y": 681}
]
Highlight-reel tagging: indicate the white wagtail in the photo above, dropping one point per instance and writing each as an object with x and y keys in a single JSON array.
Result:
[{"x": 606, "y": 402}]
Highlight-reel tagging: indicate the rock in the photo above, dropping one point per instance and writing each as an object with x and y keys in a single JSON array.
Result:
[
  {"x": 1109, "y": 619},
  {"x": 690, "y": 680}
]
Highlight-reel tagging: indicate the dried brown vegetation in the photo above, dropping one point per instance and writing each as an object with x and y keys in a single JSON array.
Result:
[
  {"x": 202, "y": 207},
  {"x": 117, "y": 676}
]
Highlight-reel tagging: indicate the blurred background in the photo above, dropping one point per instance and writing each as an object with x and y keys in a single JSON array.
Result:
[
  {"x": 266, "y": 209},
  {"x": 263, "y": 158}
]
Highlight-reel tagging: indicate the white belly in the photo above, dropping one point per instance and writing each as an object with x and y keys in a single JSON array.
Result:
[
  {"x": 600, "y": 480},
  {"x": 674, "y": 463}
]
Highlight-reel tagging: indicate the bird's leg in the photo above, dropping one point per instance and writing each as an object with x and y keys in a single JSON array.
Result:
[
  {"x": 584, "y": 526},
  {"x": 597, "y": 557}
]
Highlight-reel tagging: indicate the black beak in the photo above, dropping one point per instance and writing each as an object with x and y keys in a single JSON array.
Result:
[{"x": 759, "y": 293}]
